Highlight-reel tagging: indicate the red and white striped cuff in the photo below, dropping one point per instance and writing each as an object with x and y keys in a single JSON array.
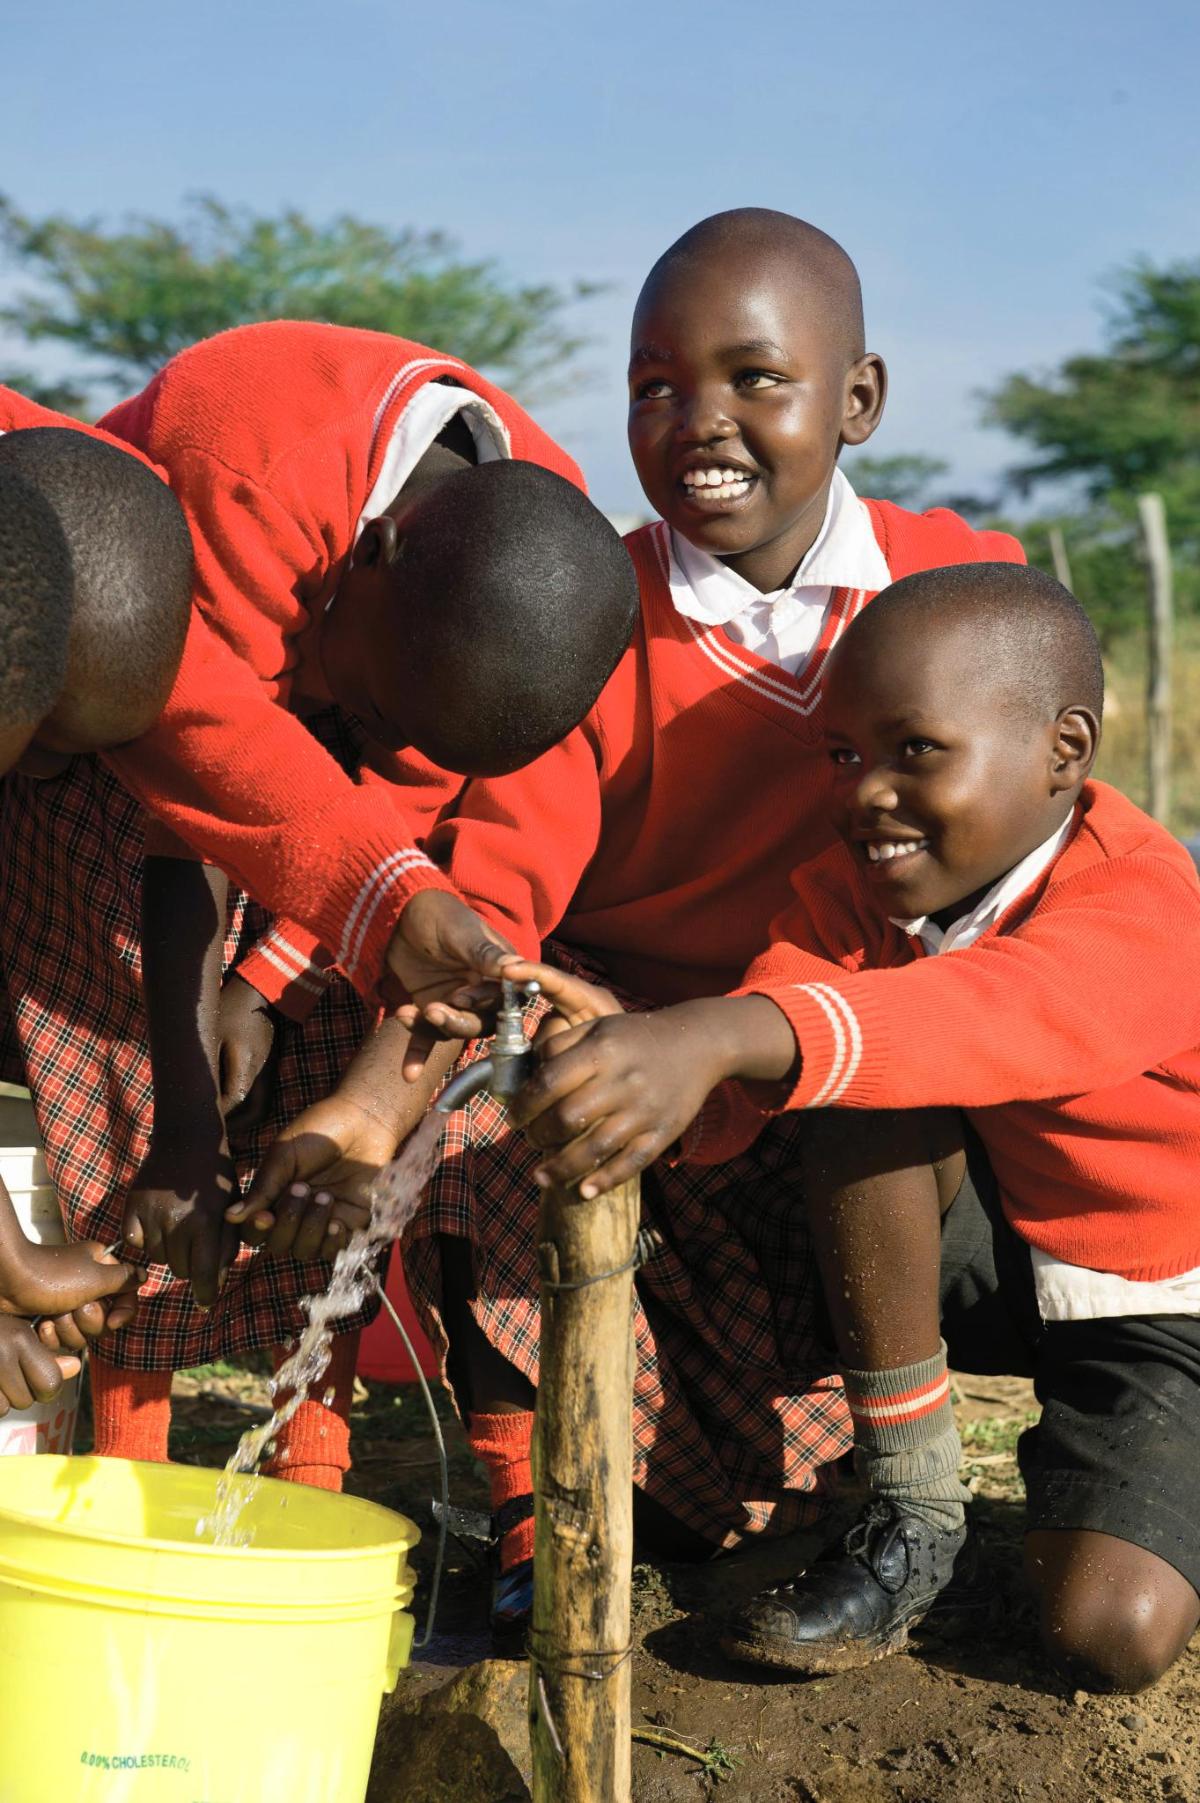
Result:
[
  {"x": 381, "y": 899},
  {"x": 290, "y": 969}
]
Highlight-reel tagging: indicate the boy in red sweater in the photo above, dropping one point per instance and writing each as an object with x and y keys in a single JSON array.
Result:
[
  {"x": 388, "y": 551},
  {"x": 1000, "y": 935},
  {"x": 649, "y": 844}
]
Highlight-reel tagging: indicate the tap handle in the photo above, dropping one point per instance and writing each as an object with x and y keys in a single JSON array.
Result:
[{"x": 513, "y": 994}]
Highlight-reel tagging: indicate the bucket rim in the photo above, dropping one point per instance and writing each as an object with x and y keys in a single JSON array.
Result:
[{"x": 395, "y": 1545}]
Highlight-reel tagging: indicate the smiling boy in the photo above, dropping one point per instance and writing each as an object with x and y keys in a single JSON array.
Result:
[
  {"x": 1003, "y": 936},
  {"x": 651, "y": 844}
]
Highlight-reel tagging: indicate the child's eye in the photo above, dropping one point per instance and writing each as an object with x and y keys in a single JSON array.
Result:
[
  {"x": 915, "y": 748},
  {"x": 842, "y": 755},
  {"x": 756, "y": 378},
  {"x": 656, "y": 390}
]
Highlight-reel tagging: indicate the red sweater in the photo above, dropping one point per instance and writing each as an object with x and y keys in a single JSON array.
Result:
[
  {"x": 1069, "y": 1031},
  {"x": 650, "y": 838},
  {"x": 16, "y": 413},
  {"x": 272, "y": 437}
]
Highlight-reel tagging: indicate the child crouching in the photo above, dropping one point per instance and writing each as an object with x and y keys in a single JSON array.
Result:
[{"x": 989, "y": 995}]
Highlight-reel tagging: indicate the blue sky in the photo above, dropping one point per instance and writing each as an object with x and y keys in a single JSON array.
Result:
[{"x": 985, "y": 166}]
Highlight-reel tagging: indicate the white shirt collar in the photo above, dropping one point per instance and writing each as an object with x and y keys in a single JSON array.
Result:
[
  {"x": 844, "y": 554},
  {"x": 432, "y": 408},
  {"x": 1000, "y": 896}
]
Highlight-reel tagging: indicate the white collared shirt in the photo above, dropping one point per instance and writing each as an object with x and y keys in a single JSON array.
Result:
[
  {"x": 429, "y": 412},
  {"x": 1064, "y": 1292},
  {"x": 966, "y": 930},
  {"x": 785, "y": 625}
]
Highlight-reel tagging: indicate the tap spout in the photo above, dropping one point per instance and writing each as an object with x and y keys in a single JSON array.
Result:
[
  {"x": 468, "y": 1083},
  {"x": 509, "y": 1065}
]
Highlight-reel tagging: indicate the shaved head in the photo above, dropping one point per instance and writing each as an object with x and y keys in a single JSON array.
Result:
[
  {"x": 760, "y": 238},
  {"x": 1022, "y": 632}
]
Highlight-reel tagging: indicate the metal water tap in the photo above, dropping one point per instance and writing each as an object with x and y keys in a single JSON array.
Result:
[{"x": 508, "y": 1064}]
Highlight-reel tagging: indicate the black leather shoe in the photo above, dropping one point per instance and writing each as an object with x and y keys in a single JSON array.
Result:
[{"x": 856, "y": 1603}]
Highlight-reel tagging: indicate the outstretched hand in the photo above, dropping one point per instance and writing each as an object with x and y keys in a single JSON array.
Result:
[
  {"x": 311, "y": 1190},
  {"x": 613, "y": 1094},
  {"x": 29, "y": 1371},
  {"x": 175, "y": 1216},
  {"x": 82, "y": 1280},
  {"x": 439, "y": 945}
]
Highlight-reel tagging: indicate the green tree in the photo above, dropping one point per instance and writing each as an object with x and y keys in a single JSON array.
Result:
[
  {"x": 1111, "y": 424},
  {"x": 126, "y": 300}
]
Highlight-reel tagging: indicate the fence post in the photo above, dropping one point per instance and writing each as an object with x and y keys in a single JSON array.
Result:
[
  {"x": 579, "y": 1667},
  {"x": 1153, "y": 517},
  {"x": 1059, "y": 558}
]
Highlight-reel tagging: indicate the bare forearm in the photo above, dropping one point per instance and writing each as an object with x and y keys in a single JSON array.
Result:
[
  {"x": 374, "y": 1077},
  {"x": 183, "y": 932}
]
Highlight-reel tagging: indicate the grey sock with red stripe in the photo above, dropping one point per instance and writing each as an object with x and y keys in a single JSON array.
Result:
[{"x": 906, "y": 1445}]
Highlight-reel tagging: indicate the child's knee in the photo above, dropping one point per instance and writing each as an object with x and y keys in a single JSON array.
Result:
[{"x": 1113, "y": 1616}]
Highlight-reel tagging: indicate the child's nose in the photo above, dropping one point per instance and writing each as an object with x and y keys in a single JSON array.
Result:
[
  {"x": 703, "y": 419},
  {"x": 876, "y": 793}
]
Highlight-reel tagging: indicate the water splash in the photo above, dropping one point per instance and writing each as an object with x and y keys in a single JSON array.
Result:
[{"x": 394, "y": 1196}]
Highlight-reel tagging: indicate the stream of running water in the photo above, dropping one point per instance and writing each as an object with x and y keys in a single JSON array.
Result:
[{"x": 394, "y": 1196}]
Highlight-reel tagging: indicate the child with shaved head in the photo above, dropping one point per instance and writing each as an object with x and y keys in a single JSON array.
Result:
[
  {"x": 387, "y": 551},
  {"x": 649, "y": 843},
  {"x": 986, "y": 1002}
]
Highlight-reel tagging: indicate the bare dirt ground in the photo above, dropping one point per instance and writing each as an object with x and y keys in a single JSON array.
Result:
[{"x": 971, "y": 1712}]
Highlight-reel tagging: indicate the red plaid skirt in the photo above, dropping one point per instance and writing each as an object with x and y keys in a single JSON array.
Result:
[
  {"x": 735, "y": 1420},
  {"x": 70, "y": 861}
]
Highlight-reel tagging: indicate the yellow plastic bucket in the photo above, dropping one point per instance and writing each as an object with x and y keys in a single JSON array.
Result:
[{"x": 138, "y": 1662}]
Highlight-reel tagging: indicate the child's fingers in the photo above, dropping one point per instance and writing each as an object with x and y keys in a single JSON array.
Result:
[
  {"x": 64, "y": 1334},
  {"x": 574, "y": 1115},
  {"x": 121, "y": 1312},
  {"x": 280, "y": 1168},
  {"x": 562, "y": 1072},
  {"x": 572, "y": 997},
  {"x": 613, "y": 1151},
  {"x": 44, "y": 1372},
  {"x": 213, "y": 1249},
  {"x": 315, "y": 1224},
  {"x": 285, "y": 1217}
]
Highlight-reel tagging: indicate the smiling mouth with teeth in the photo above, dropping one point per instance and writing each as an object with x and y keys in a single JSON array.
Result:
[
  {"x": 888, "y": 850},
  {"x": 716, "y": 485}
]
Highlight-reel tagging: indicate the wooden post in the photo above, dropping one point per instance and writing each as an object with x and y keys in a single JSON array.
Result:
[
  {"x": 1153, "y": 516},
  {"x": 1059, "y": 558},
  {"x": 579, "y": 1668}
]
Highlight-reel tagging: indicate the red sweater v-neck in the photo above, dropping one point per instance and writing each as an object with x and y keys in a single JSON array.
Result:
[
  {"x": 660, "y": 835},
  {"x": 272, "y": 437},
  {"x": 1069, "y": 1031}
]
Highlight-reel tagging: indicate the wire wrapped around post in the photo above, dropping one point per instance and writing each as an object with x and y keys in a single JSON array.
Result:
[{"x": 579, "y": 1672}]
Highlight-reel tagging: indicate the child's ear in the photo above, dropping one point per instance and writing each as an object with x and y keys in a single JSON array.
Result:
[
  {"x": 866, "y": 392},
  {"x": 1076, "y": 741},
  {"x": 376, "y": 543}
]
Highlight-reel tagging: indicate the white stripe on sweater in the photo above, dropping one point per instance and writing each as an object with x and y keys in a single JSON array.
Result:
[
  {"x": 796, "y": 695},
  {"x": 300, "y": 979},
  {"x": 369, "y": 898},
  {"x": 302, "y": 961},
  {"x": 402, "y": 375},
  {"x": 847, "y": 1042}
]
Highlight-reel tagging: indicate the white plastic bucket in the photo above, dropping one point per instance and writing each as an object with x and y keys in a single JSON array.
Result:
[{"x": 47, "y": 1426}]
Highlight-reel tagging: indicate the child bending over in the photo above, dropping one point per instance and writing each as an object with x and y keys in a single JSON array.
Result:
[{"x": 1000, "y": 1044}]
